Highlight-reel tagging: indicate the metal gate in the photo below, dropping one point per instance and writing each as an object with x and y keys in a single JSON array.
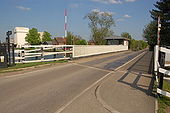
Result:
[{"x": 3, "y": 56}]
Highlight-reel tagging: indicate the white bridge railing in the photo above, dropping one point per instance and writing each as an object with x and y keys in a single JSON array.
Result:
[
  {"x": 159, "y": 68},
  {"x": 40, "y": 53}
]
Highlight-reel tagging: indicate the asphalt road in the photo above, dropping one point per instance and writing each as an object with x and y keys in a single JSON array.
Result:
[{"x": 47, "y": 90}]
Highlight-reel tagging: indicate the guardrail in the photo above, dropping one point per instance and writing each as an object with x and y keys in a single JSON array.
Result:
[
  {"x": 40, "y": 53},
  {"x": 89, "y": 50},
  {"x": 159, "y": 68}
]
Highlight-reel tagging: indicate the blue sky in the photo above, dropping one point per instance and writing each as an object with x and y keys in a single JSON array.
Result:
[{"x": 48, "y": 15}]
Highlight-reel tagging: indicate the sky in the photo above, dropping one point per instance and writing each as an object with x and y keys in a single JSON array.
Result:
[{"x": 48, "y": 15}]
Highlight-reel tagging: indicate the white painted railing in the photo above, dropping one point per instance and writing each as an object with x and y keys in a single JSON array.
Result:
[
  {"x": 67, "y": 51},
  {"x": 159, "y": 71},
  {"x": 40, "y": 53},
  {"x": 88, "y": 50}
]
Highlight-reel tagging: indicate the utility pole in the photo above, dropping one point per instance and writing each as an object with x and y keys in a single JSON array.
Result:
[
  {"x": 161, "y": 56},
  {"x": 159, "y": 29}
]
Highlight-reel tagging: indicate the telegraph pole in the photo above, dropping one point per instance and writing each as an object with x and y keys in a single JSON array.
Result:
[
  {"x": 159, "y": 29},
  {"x": 161, "y": 56}
]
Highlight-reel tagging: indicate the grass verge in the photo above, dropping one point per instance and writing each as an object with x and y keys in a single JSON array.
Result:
[
  {"x": 19, "y": 67},
  {"x": 163, "y": 101}
]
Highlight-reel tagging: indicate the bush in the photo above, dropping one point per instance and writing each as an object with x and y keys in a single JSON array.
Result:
[{"x": 136, "y": 45}]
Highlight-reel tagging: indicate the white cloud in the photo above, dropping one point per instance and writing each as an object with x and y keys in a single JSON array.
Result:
[
  {"x": 23, "y": 8},
  {"x": 130, "y": 0},
  {"x": 74, "y": 5},
  {"x": 127, "y": 16},
  {"x": 102, "y": 12},
  {"x": 123, "y": 18},
  {"x": 119, "y": 20},
  {"x": 108, "y": 1}
]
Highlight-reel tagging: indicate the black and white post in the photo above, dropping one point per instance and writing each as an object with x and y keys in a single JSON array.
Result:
[{"x": 159, "y": 29}]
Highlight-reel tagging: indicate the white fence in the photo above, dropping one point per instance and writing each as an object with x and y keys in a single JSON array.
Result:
[
  {"x": 39, "y": 53},
  {"x": 160, "y": 72},
  {"x": 88, "y": 50}
]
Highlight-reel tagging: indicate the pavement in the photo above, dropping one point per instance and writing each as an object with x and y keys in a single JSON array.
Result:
[
  {"x": 130, "y": 91},
  {"x": 98, "y": 84},
  {"x": 127, "y": 90}
]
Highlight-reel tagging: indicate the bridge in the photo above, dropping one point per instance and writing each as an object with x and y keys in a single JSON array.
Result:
[{"x": 117, "y": 82}]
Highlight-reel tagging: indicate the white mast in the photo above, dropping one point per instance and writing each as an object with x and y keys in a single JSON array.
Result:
[{"x": 65, "y": 24}]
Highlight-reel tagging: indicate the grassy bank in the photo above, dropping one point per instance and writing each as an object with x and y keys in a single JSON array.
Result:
[
  {"x": 163, "y": 101},
  {"x": 19, "y": 67}
]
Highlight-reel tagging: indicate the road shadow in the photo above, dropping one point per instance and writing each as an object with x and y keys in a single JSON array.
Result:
[{"x": 140, "y": 73}]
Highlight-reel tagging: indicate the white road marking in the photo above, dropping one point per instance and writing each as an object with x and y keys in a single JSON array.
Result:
[
  {"x": 84, "y": 91},
  {"x": 65, "y": 106},
  {"x": 130, "y": 60},
  {"x": 92, "y": 67}
]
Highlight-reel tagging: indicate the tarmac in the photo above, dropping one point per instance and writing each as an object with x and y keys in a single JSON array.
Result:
[{"x": 126, "y": 90}]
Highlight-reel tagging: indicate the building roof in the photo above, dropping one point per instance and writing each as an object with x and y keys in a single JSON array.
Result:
[
  {"x": 116, "y": 38},
  {"x": 48, "y": 43},
  {"x": 60, "y": 40}
]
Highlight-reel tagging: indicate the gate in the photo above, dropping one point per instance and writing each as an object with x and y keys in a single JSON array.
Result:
[
  {"x": 160, "y": 68},
  {"x": 7, "y": 56},
  {"x": 3, "y": 56}
]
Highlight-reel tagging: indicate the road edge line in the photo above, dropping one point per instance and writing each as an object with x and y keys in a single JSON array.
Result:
[
  {"x": 130, "y": 60},
  {"x": 105, "y": 105},
  {"x": 70, "y": 102}
]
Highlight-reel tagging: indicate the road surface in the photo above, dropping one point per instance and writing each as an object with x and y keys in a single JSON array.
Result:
[{"x": 48, "y": 90}]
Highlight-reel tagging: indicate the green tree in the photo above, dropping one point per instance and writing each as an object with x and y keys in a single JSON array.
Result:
[
  {"x": 150, "y": 34},
  {"x": 126, "y": 35},
  {"x": 81, "y": 42},
  {"x": 75, "y": 40},
  {"x": 46, "y": 36},
  {"x": 100, "y": 25},
  {"x": 163, "y": 10},
  {"x": 33, "y": 37},
  {"x": 70, "y": 38}
]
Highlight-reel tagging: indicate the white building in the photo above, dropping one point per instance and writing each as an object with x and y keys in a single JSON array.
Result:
[
  {"x": 117, "y": 40},
  {"x": 41, "y": 35},
  {"x": 19, "y": 36}
]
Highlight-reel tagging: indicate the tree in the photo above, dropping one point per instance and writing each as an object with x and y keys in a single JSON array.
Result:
[
  {"x": 150, "y": 33},
  {"x": 46, "y": 36},
  {"x": 126, "y": 35},
  {"x": 163, "y": 10},
  {"x": 70, "y": 38},
  {"x": 33, "y": 37},
  {"x": 75, "y": 40},
  {"x": 81, "y": 42},
  {"x": 100, "y": 25}
]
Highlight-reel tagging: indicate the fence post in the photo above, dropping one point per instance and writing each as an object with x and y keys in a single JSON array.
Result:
[
  {"x": 73, "y": 51},
  {"x": 156, "y": 57},
  {"x": 13, "y": 54},
  {"x": 42, "y": 53},
  {"x": 162, "y": 64}
]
